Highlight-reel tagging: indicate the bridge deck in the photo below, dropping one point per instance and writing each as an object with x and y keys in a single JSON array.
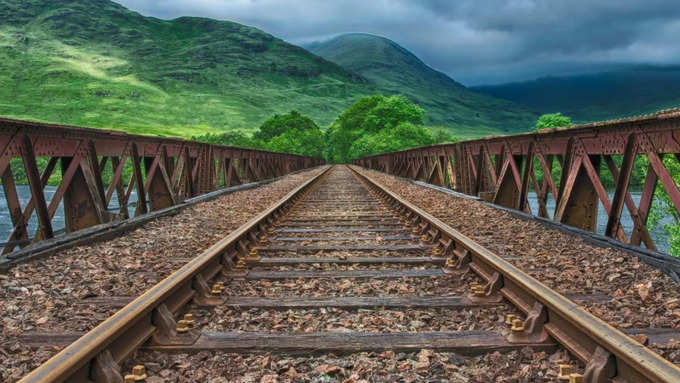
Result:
[{"x": 50, "y": 295}]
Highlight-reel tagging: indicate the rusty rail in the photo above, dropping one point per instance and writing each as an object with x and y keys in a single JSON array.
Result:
[
  {"x": 93, "y": 162},
  {"x": 97, "y": 355},
  {"x": 609, "y": 354},
  {"x": 149, "y": 320},
  {"x": 502, "y": 170}
]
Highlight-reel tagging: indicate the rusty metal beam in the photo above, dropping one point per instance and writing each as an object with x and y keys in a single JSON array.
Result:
[
  {"x": 579, "y": 151},
  {"x": 164, "y": 172}
]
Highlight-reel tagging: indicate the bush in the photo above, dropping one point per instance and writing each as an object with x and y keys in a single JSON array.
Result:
[{"x": 552, "y": 120}]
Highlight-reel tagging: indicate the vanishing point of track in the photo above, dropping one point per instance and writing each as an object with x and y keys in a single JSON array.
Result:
[{"x": 339, "y": 212}]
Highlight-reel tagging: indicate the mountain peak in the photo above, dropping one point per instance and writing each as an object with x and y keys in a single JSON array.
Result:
[
  {"x": 394, "y": 68},
  {"x": 363, "y": 51}
]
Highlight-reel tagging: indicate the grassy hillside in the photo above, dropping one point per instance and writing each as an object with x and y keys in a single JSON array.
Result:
[
  {"x": 447, "y": 102},
  {"x": 598, "y": 96},
  {"x": 95, "y": 63}
]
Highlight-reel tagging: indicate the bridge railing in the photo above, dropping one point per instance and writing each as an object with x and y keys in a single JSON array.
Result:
[
  {"x": 89, "y": 167},
  {"x": 567, "y": 163}
]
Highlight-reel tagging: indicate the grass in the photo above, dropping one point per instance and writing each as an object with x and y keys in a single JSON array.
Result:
[{"x": 94, "y": 63}]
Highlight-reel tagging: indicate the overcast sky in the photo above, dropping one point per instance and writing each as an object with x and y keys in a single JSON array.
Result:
[{"x": 473, "y": 41}]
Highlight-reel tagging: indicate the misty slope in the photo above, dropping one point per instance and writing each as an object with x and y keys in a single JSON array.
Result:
[
  {"x": 95, "y": 63},
  {"x": 597, "y": 96},
  {"x": 447, "y": 102}
]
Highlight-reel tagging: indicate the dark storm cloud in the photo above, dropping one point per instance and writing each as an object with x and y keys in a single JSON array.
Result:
[{"x": 474, "y": 41}]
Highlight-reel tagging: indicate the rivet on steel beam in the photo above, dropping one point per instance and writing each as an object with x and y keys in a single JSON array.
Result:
[
  {"x": 564, "y": 372},
  {"x": 509, "y": 318},
  {"x": 517, "y": 325},
  {"x": 575, "y": 378},
  {"x": 139, "y": 372}
]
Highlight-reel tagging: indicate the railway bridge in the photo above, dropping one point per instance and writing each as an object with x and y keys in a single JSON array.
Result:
[{"x": 521, "y": 258}]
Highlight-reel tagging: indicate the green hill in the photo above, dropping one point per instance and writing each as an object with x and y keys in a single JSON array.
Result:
[
  {"x": 447, "y": 102},
  {"x": 95, "y": 63},
  {"x": 597, "y": 96}
]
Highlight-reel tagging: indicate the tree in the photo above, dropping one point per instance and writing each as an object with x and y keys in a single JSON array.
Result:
[
  {"x": 390, "y": 112},
  {"x": 235, "y": 138},
  {"x": 370, "y": 126},
  {"x": 280, "y": 124},
  {"x": 663, "y": 212},
  {"x": 291, "y": 133},
  {"x": 441, "y": 135},
  {"x": 405, "y": 135},
  {"x": 552, "y": 120}
]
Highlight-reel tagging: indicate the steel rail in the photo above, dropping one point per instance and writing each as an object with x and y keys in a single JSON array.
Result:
[
  {"x": 608, "y": 352},
  {"x": 134, "y": 324}
]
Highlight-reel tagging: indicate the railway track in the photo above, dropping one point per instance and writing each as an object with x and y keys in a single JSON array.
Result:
[{"x": 353, "y": 268}]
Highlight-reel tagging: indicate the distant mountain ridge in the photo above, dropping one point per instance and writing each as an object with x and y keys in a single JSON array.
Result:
[
  {"x": 394, "y": 68},
  {"x": 96, "y": 63},
  {"x": 599, "y": 96}
]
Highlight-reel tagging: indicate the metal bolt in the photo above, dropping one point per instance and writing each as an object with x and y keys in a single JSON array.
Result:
[
  {"x": 425, "y": 238},
  {"x": 450, "y": 263},
  {"x": 182, "y": 326},
  {"x": 436, "y": 250},
  {"x": 517, "y": 325},
  {"x": 139, "y": 372},
  {"x": 575, "y": 378},
  {"x": 415, "y": 230},
  {"x": 479, "y": 291},
  {"x": 565, "y": 371},
  {"x": 189, "y": 320},
  {"x": 129, "y": 379},
  {"x": 240, "y": 263},
  {"x": 509, "y": 318},
  {"x": 217, "y": 289},
  {"x": 263, "y": 238}
]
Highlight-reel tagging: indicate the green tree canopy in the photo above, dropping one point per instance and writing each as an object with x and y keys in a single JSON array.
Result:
[
  {"x": 234, "y": 138},
  {"x": 552, "y": 120},
  {"x": 441, "y": 135},
  {"x": 283, "y": 123},
  {"x": 404, "y": 135},
  {"x": 390, "y": 112},
  {"x": 372, "y": 125},
  {"x": 291, "y": 133}
]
